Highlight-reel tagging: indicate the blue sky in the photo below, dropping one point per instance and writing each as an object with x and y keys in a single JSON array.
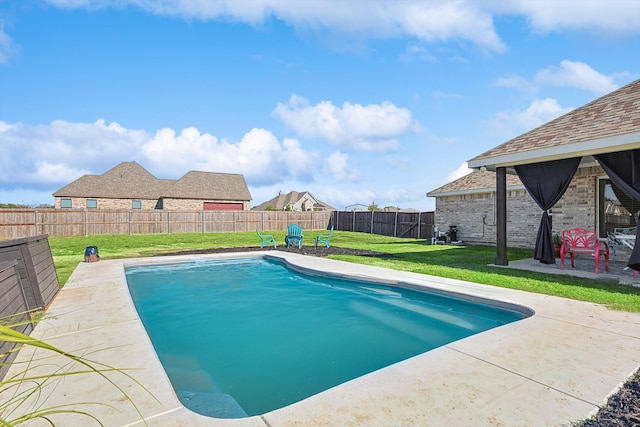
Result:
[{"x": 360, "y": 101}]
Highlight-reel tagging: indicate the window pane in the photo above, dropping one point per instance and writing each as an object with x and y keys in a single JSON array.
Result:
[
  {"x": 616, "y": 208},
  {"x": 136, "y": 204},
  {"x": 92, "y": 203},
  {"x": 65, "y": 203}
]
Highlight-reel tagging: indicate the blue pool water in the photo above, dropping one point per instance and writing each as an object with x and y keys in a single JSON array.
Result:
[{"x": 246, "y": 336}]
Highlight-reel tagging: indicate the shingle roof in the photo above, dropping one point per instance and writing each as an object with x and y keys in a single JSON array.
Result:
[
  {"x": 129, "y": 180},
  {"x": 210, "y": 185},
  {"x": 126, "y": 180},
  {"x": 601, "y": 121},
  {"x": 475, "y": 182}
]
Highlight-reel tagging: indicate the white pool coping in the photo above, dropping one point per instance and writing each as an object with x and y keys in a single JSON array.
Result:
[{"x": 552, "y": 368}]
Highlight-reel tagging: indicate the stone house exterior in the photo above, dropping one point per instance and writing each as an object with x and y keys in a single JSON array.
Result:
[
  {"x": 610, "y": 124},
  {"x": 294, "y": 201},
  {"x": 130, "y": 186}
]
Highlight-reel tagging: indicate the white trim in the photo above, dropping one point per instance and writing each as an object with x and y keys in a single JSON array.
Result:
[{"x": 611, "y": 144}]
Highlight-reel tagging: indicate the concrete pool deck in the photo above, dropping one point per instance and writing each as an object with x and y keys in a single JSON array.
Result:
[{"x": 552, "y": 368}]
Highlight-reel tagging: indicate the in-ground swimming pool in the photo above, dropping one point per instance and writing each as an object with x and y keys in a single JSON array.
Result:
[{"x": 242, "y": 337}]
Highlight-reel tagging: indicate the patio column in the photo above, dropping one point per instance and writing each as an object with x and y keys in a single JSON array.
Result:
[{"x": 501, "y": 217}]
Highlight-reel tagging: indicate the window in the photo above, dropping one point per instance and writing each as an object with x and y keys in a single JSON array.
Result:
[
  {"x": 65, "y": 203},
  {"x": 615, "y": 209},
  {"x": 92, "y": 203},
  {"x": 136, "y": 204}
]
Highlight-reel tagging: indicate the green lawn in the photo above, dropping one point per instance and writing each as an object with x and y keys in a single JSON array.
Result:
[{"x": 465, "y": 263}]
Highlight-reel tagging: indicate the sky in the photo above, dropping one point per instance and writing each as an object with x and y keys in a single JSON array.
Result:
[{"x": 357, "y": 102}]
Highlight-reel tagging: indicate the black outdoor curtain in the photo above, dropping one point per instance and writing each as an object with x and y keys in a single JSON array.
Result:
[
  {"x": 623, "y": 168},
  {"x": 546, "y": 182}
]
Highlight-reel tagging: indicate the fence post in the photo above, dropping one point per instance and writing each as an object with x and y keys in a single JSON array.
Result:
[
  {"x": 169, "y": 222},
  {"x": 202, "y": 220},
  {"x": 395, "y": 225},
  {"x": 130, "y": 222},
  {"x": 35, "y": 221},
  {"x": 86, "y": 226},
  {"x": 371, "y": 230},
  {"x": 419, "y": 221},
  {"x": 353, "y": 221},
  {"x": 235, "y": 219}
]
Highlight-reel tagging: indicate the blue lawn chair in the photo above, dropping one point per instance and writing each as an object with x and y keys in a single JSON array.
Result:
[
  {"x": 294, "y": 235},
  {"x": 324, "y": 238},
  {"x": 266, "y": 239}
]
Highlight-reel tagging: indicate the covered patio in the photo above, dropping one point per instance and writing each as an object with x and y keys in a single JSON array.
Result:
[{"x": 603, "y": 135}]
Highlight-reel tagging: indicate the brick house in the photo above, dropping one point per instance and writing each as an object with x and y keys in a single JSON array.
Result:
[
  {"x": 469, "y": 204},
  {"x": 294, "y": 201},
  {"x": 610, "y": 124},
  {"x": 130, "y": 186}
]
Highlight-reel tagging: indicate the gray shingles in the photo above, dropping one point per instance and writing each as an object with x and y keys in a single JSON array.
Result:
[
  {"x": 129, "y": 180},
  {"x": 474, "y": 181},
  {"x": 617, "y": 113}
]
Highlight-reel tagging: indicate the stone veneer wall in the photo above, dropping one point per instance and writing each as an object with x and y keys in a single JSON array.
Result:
[{"x": 577, "y": 208}]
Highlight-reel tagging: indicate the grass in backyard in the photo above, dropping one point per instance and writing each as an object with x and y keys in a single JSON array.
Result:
[{"x": 469, "y": 263}]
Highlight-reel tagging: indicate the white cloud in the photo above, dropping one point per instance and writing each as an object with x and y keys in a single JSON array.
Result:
[
  {"x": 42, "y": 155},
  {"x": 600, "y": 18},
  {"x": 417, "y": 53},
  {"x": 337, "y": 165},
  {"x": 364, "y": 128},
  {"x": 517, "y": 82},
  {"x": 356, "y": 19},
  {"x": 459, "y": 172},
  {"x": 259, "y": 156},
  {"x": 428, "y": 21},
  {"x": 578, "y": 75},
  {"x": 51, "y": 156},
  {"x": 6, "y": 45},
  {"x": 540, "y": 111}
]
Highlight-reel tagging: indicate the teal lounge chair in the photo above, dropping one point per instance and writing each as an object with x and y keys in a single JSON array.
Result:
[
  {"x": 294, "y": 235},
  {"x": 324, "y": 238},
  {"x": 266, "y": 239}
]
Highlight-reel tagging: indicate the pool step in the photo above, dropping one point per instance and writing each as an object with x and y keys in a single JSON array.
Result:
[{"x": 217, "y": 405}]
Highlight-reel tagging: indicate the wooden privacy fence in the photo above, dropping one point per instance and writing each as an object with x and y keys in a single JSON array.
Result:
[
  {"x": 20, "y": 223},
  {"x": 417, "y": 225}
]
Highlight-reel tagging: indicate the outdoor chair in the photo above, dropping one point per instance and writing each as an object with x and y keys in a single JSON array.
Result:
[
  {"x": 265, "y": 239},
  {"x": 582, "y": 241},
  {"x": 324, "y": 238},
  {"x": 294, "y": 235}
]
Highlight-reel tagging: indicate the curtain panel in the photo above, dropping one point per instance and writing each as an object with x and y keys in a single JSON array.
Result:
[{"x": 546, "y": 182}]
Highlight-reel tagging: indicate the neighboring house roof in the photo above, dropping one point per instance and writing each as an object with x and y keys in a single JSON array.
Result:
[
  {"x": 129, "y": 180},
  {"x": 126, "y": 180},
  {"x": 608, "y": 124},
  {"x": 210, "y": 185},
  {"x": 283, "y": 200},
  {"x": 475, "y": 182}
]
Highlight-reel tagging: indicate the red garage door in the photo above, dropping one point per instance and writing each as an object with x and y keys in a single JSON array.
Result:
[{"x": 211, "y": 206}]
